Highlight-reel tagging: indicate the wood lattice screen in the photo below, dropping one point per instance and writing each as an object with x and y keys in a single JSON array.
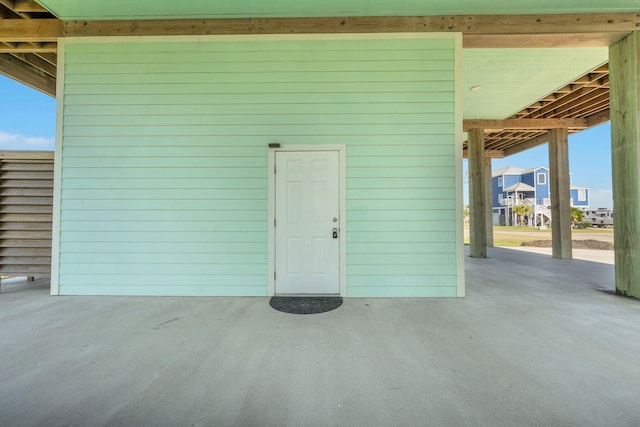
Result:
[{"x": 26, "y": 210}]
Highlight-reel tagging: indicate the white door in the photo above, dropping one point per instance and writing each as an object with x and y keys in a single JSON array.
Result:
[{"x": 307, "y": 250}]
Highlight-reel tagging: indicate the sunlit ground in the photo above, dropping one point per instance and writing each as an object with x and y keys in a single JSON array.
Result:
[{"x": 514, "y": 236}]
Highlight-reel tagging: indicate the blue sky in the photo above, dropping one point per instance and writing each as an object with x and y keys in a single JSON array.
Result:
[
  {"x": 27, "y": 117},
  {"x": 27, "y": 122}
]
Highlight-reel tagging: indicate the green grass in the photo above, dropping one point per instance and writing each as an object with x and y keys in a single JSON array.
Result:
[
  {"x": 593, "y": 230},
  {"x": 502, "y": 234}
]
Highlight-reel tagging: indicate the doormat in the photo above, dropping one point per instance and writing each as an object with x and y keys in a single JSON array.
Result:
[{"x": 305, "y": 305}]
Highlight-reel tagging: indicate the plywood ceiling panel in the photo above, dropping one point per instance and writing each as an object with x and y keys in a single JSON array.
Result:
[{"x": 511, "y": 79}]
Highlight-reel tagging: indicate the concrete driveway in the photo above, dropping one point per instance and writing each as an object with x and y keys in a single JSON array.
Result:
[{"x": 537, "y": 341}]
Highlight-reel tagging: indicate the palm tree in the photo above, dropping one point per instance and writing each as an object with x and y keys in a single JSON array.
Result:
[
  {"x": 577, "y": 215},
  {"x": 520, "y": 211}
]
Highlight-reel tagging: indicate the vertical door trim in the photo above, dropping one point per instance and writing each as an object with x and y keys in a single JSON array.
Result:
[{"x": 342, "y": 189}]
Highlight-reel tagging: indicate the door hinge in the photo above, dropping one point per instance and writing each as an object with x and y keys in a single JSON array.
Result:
[
  {"x": 274, "y": 169},
  {"x": 274, "y": 222},
  {"x": 274, "y": 275}
]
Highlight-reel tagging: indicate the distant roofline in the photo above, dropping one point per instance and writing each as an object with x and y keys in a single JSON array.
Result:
[{"x": 512, "y": 170}]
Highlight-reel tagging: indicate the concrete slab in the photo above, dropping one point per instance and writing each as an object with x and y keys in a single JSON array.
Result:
[
  {"x": 537, "y": 341},
  {"x": 593, "y": 255}
]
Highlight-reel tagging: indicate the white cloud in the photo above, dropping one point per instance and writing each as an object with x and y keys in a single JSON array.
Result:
[
  {"x": 12, "y": 141},
  {"x": 600, "y": 198}
]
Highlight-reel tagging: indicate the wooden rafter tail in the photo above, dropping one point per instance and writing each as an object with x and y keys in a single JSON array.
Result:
[{"x": 23, "y": 47}]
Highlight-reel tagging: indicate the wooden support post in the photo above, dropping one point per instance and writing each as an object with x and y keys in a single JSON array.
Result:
[
  {"x": 560, "y": 193},
  {"x": 624, "y": 63},
  {"x": 488, "y": 189},
  {"x": 477, "y": 198}
]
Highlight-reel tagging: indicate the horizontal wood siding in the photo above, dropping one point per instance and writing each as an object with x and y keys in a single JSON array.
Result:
[
  {"x": 164, "y": 168},
  {"x": 26, "y": 207}
]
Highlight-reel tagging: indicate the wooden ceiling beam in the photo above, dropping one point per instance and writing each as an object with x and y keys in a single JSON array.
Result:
[
  {"x": 599, "y": 118},
  {"x": 492, "y": 154},
  {"x": 43, "y": 48},
  {"x": 478, "y": 30},
  {"x": 489, "y": 25},
  {"x": 29, "y": 30},
  {"x": 490, "y": 124},
  {"x": 521, "y": 41},
  {"x": 24, "y": 73}
]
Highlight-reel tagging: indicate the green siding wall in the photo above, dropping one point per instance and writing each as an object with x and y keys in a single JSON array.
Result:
[{"x": 164, "y": 161}]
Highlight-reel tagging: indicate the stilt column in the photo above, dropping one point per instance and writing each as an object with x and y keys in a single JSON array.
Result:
[
  {"x": 488, "y": 189},
  {"x": 624, "y": 68},
  {"x": 560, "y": 193},
  {"x": 477, "y": 197}
]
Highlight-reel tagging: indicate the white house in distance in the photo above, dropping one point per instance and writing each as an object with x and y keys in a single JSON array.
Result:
[{"x": 513, "y": 186}]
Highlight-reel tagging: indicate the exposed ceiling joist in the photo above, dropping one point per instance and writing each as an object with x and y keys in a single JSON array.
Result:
[
  {"x": 24, "y": 47},
  {"x": 28, "y": 6},
  {"x": 553, "y": 123},
  {"x": 51, "y": 58},
  {"x": 18, "y": 70},
  {"x": 525, "y": 144},
  {"x": 37, "y": 62},
  {"x": 10, "y": 7},
  {"x": 26, "y": 9}
]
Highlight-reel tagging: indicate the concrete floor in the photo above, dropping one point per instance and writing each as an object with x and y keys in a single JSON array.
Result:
[
  {"x": 537, "y": 341},
  {"x": 606, "y": 257}
]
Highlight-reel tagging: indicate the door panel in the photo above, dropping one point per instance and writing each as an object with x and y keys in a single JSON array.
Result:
[{"x": 307, "y": 202}]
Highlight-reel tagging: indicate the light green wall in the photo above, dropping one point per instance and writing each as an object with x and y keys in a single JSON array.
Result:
[{"x": 164, "y": 161}]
